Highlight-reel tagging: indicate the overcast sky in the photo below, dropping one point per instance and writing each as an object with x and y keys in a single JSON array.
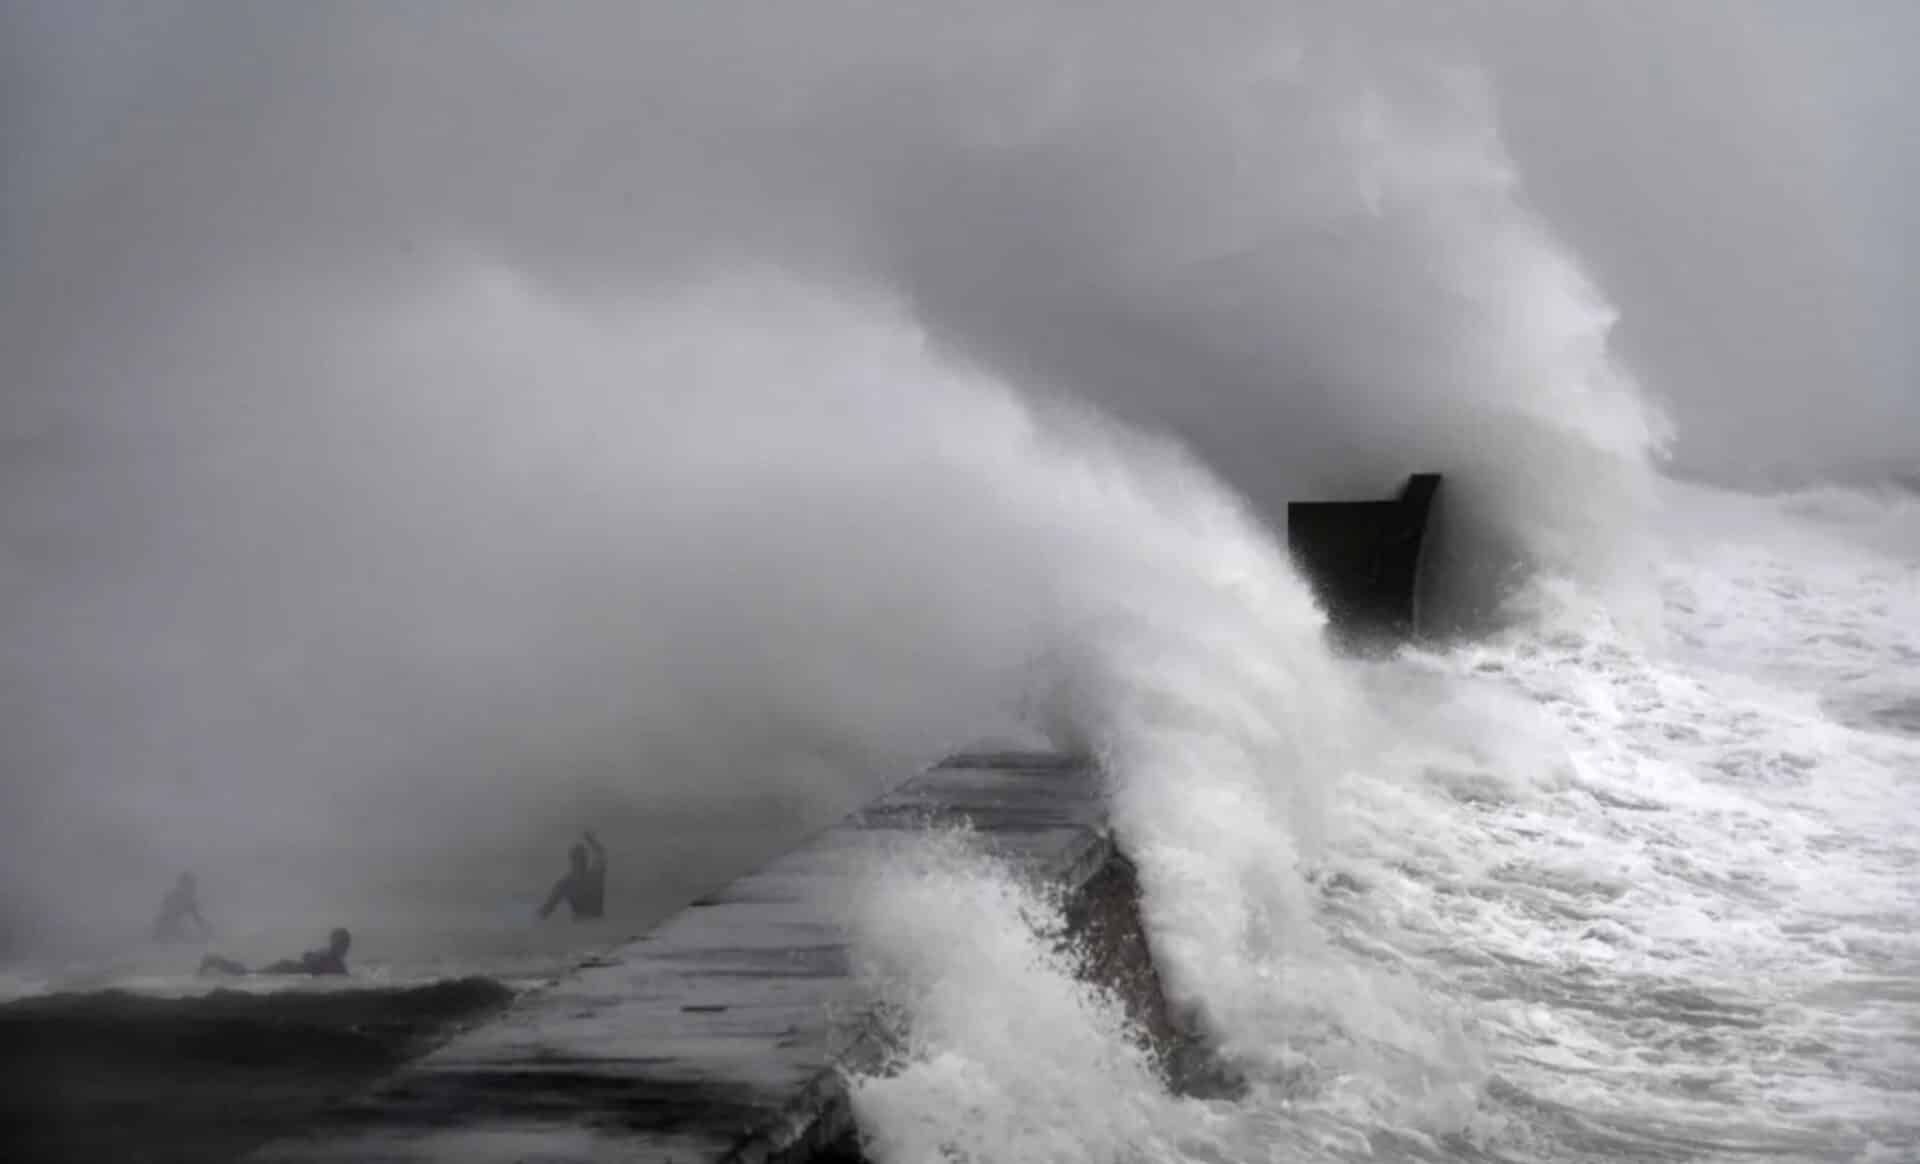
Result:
[{"x": 473, "y": 414}]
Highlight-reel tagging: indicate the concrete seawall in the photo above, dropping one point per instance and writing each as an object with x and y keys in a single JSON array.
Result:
[{"x": 726, "y": 1034}]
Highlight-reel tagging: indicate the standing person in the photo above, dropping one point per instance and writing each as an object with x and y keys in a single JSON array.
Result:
[
  {"x": 584, "y": 888},
  {"x": 182, "y": 905}
]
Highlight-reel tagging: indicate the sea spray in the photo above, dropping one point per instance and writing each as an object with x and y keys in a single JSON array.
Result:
[
  {"x": 602, "y": 541},
  {"x": 1228, "y": 726},
  {"x": 1196, "y": 665},
  {"x": 1005, "y": 1053}
]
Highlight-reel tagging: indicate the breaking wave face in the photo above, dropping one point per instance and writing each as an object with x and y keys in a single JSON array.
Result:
[
  {"x": 1606, "y": 883},
  {"x": 1298, "y": 244},
  {"x": 1561, "y": 894}
]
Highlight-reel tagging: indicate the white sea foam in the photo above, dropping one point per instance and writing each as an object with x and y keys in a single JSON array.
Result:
[{"x": 1565, "y": 894}]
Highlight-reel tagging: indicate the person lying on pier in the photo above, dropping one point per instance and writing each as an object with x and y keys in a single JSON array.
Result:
[
  {"x": 182, "y": 905},
  {"x": 332, "y": 960},
  {"x": 584, "y": 888}
]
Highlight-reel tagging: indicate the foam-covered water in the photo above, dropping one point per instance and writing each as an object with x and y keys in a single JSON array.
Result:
[{"x": 1573, "y": 892}]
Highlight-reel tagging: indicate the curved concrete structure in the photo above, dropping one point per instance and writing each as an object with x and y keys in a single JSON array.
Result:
[
  {"x": 727, "y": 1033},
  {"x": 1364, "y": 558}
]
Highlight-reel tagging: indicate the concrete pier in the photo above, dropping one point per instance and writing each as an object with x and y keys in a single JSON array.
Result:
[{"x": 726, "y": 1033}]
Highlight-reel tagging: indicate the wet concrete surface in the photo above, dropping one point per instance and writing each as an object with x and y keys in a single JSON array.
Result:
[{"x": 726, "y": 1033}]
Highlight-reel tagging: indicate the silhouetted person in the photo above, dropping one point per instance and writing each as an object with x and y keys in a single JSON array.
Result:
[
  {"x": 584, "y": 888},
  {"x": 332, "y": 960},
  {"x": 182, "y": 905}
]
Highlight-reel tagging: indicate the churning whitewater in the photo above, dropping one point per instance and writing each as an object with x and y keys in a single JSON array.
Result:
[{"x": 1575, "y": 892}]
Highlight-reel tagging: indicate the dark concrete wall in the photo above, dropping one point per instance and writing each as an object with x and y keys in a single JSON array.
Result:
[{"x": 1364, "y": 559}]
